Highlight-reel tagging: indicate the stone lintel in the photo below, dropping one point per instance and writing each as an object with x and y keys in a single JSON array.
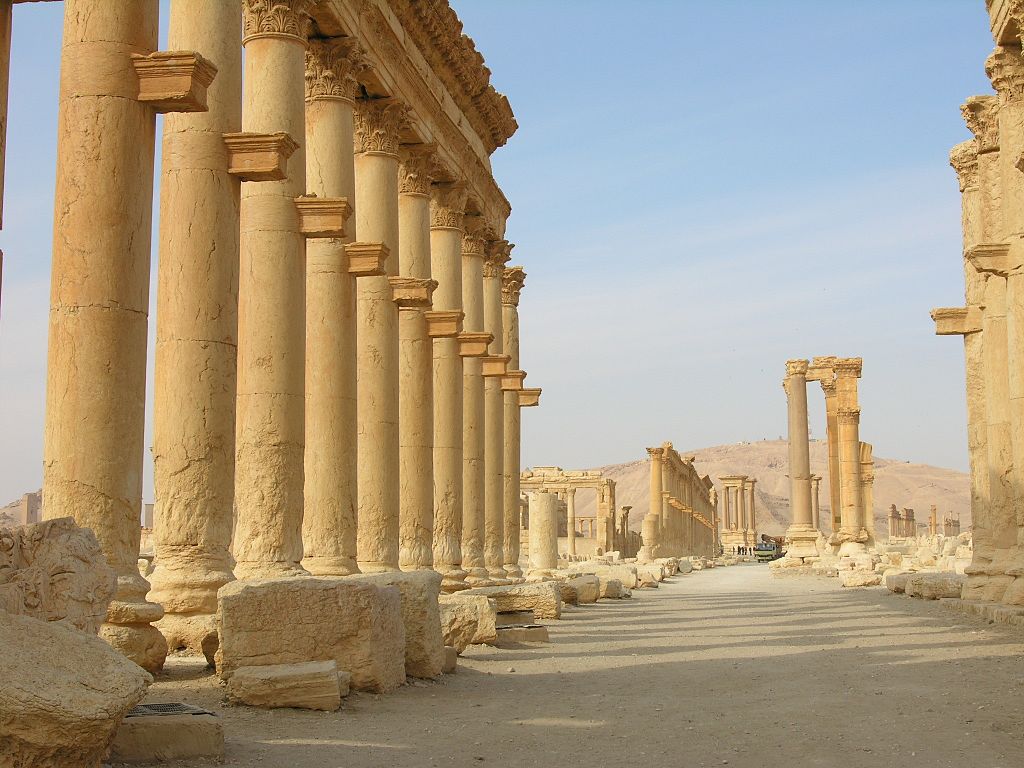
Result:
[
  {"x": 259, "y": 156},
  {"x": 472, "y": 344},
  {"x": 495, "y": 365},
  {"x": 412, "y": 292},
  {"x": 173, "y": 81},
  {"x": 991, "y": 257},
  {"x": 512, "y": 381},
  {"x": 366, "y": 259},
  {"x": 528, "y": 398},
  {"x": 956, "y": 321},
  {"x": 444, "y": 323},
  {"x": 323, "y": 216}
]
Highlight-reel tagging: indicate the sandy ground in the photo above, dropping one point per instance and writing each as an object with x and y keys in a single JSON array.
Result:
[{"x": 723, "y": 667}]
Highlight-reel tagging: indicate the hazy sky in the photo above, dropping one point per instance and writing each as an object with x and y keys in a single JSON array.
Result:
[{"x": 700, "y": 191}]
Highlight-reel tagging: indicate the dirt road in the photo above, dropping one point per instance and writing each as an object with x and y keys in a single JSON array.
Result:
[{"x": 721, "y": 667}]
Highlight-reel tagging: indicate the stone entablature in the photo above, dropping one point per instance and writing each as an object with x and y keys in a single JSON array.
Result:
[{"x": 682, "y": 517}]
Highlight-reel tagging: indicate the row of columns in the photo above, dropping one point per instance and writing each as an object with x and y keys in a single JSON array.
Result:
[
  {"x": 991, "y": 321},
  {"x": 682, "y": 517},
  {"x": 739, "y": 520},
  {"x": 564, "y": 484},
  {"x": 901, "y": 524},
  {"x": 319, "y": 407}
]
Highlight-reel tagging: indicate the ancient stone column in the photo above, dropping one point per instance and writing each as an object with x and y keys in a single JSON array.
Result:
[
  {"x": 852, "y": 534},
  {"x": 743, "y": 527},
  {"x": 513, "y": 279},
  {"x": 416, "y": 401},
  {"x": 543, "y": 532},
  {"x": 329, "y": 519},
  {"x": 655, "y": 510},
  {"x": 727, "y": 509},
  {"x": 570, "y": 521},
  {"x": 269, "y": 473},
  {"x": 99, "y": 301},
  {"x": 835, "y": 484},
  {"x": 802, "y": 534},
  {"x": 816, "y": 503},
  {"x": 474, "y": 481},
  {"x": 197, "y": 335},
  {"x": 867, "y": 496},
  {"x": 447, "y": 207},
  {"x": 495, "y": 367},
  {"x": 751, "y": 512},
  {"x": 378, "y": 123}
]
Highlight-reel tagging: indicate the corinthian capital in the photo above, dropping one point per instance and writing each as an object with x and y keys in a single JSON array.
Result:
[
  {"x": 277, "y": 18},
  {"x": 964, "y": 159},
  {"x": 475, "y": 237},
  {"x": 796, "y": 367},
  {"x": 378, "y": 125},
  {"x": 498, "y": 254},
  {"x": 1005, "y": 68},
  {"x": 981, "y": 113},
  {"x": 447, "y": 205},
  {"x": 512, "y": 281},
  {"x": 655, "y": 453},
  {"x": 848, "y": 367},
  {"x": 414, "y": 169},
  {"x": 331, "y": 68}
]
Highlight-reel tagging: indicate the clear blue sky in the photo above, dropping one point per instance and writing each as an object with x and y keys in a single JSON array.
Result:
[{"x": 700, "y": 191}]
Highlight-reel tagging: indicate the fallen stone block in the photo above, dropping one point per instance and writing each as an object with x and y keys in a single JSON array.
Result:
[
  {"x": 588, "y": 589},
  {"x": 307, "y": 685},
  {"x": 467, "y": 620},
  {"x": 897, "y": 582},
  {"x": 515, "y": 618},
  {"x": 153, "y": 738},
  {"x": 451, "y": 660},
  {"x": 536, "y": 633},
  {"x": 684, "y": 566},
  {"x": 63, "y": 694},
  {"x": 543, "y": 598},
  {"x": 650, "y": 575},
  {"x": 424, "y": 644},
  {"x": 567, "y": 592},
  {"x": 860, "y": 578},
  {"x": 932, "y": 586},
  {"x": 610, "y": 589},
  {"x": 293, "y": 620},
  {"x": 670, "y": 564}
]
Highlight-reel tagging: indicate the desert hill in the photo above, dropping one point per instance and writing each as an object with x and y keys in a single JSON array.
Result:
[{"x": 902, "y": 483}]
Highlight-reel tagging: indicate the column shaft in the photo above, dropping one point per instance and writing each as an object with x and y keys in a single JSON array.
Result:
[
  {"x": 570, "y": 522},
  {"x": 494, "y": 414},
  {"x": 99, "y": 302},
  {"x": 197, "y": 335},
  {"x": 835, "y": 482},
  {"x": 513, "y": 279}
]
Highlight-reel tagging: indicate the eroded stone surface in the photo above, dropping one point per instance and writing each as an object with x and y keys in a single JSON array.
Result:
[
  {"x": 467, "y": 619},
  {"x": 932, "y": 586},
  {"x": 157, "y": 738},
  {"x": 543, "y": 598},
  {"x": 307, "y": 685}
]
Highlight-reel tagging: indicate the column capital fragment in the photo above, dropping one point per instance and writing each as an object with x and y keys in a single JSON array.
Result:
[
  {"x": 497, "y": 255},
  {"x": 378, "y": 125},
  {"x": 956, "y": 321},
  {"x": 964, "y": 160},
  {"x": 173, "y": 81},
  {"x": 1005, "y": 68},
  {"x": 512, "y": 281},
  {"x": 475, "y": 237},
  {"x": 412, "y": 292},
  {"x": 276, "y": 18},
  {"x": 447, "y": 205},
  {"x": 414, "y": 169},
  {"x": 796, "y": 367},
  {"x": 848, "y": 367},
  {"x": 332, "y": 64},
  {"x": 981, "y": 114}
]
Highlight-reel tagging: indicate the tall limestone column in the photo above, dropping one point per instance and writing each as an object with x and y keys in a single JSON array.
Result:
[
  {"x": 852, "y": 534},
  {"x": 726, "y": 510},
  {"x": 543, "y": 533},
  {"x": 495, "y": 368},
  {"x": 1005, "y": 67},
  {"x": 653, "y": 542},
  {"x": 447, "y": 209},
  {"x": 513, "y": 279},
  {"x": 828, "y": 388},
  {"x": 112, "y": 84},
  {"x": 570, "y": 520},
  {"x": 741, "y": 511},
  {"x": 816, "y": 503},
  {"x": 415, "y": 389},
  {"x": 752, "y": 511},
  {"x": 329, "y": 518},
  {"x": 867, "y": 494},
  {"x": 474, "y": 246},
  {"x": 802, "y": 535},
  {"x": 271, "y": 303},
  {"x": 378, "y": 123},
  {"x": 197, "y": 335}
]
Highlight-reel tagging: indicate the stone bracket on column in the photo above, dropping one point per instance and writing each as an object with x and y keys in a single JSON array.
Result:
[
  {"x": 956, "y": 321},
  {"x": 322, "y": 216},
  {"x": 444, "y": 323},
  {"x": 528, "y": 398},
  {"x": 173, "y": 81},
  {"x": 512, "y": 381},
  {"x": 991, "y": 257},
  {"x": 472, "y": 344},
  {"x": 366, "y": 259},
  {"x": 494, "y": 365},
  {"x": 259, "y": 156},
  {"x": 412, "y": 292}
]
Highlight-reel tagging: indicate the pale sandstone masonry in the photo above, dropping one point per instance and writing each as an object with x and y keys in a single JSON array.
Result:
[
  {"x": 802, "y": 536},
  {"x": 197, "y": 335},
  {"x": 495, "y": 367},
  {"x": 543, "y": 533},
  {"x": 513, "y": 280}
]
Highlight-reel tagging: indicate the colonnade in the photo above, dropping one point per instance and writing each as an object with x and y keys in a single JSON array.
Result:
[
  {"x": 991, "y": 321},
  {"x": 337, "y": 384},
  {"x": 739, "y": 522},
  {"x": 901, "y": 524},
  {"x": 850, "y": 461},
  {"x": 682, "y": 518}
]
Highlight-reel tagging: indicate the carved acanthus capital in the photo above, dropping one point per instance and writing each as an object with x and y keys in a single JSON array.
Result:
[
  {"x": 981, "y": 113},
  {"x": 964, "y": 159},
  {"x": 655, "y": 453},
  {"x": 499, "y": 253},
  {"x": 849, "y": 416},
  {"x": 796, "y": 367},
  {"x": 331, "y": 68},
  {"x": 848, "y": 367},
  {"x": 512, "y": 281},
  {"x": 415, "y": 162},
  {"x": 447, "y": 205},
  {"x": 378, "y": 125},
  {"x": 475, "y": 237},
  {"x": 276, "y": 18},
  {"x": 1005, "y": 68}
]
